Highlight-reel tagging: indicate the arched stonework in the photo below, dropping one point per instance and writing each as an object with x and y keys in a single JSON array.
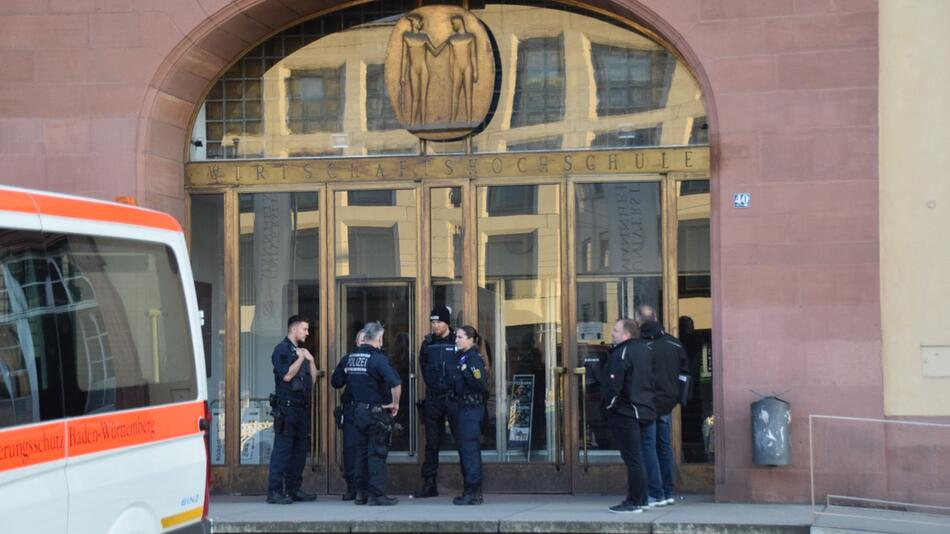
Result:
[{"x": 189, "y": 70}]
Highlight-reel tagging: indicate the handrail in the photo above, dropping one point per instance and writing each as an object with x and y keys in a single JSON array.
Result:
[
  {"x": 315, "y": 422},
  {"x": 886, "y": 503},
  {"x": 559, "y": 373},
  {"x": 582, "y": 371}
]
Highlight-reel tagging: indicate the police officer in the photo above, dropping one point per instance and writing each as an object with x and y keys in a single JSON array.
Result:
[
  {"x": 628, "y": 404},
  {"x": 375, "y": 389},
  {"x": 471, "y": 391},
  {"x": 294, "y": 375},
  {"x": 439, "y": 362},
  {"x": 344, "y": 422}
]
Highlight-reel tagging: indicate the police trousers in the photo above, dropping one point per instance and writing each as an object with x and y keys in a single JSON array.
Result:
[
  {"x": 436, "y": 411},
  {"x": 469, "y": 429},
  {"x": 287, "y": 458},
  {"x": 373, "y": 430},
  {"x": 350, "y": 436}
]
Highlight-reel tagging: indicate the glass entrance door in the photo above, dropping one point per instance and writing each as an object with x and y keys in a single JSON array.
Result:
[
  {"x": 376, "y": 264},
  {"x": 519, "y": 279},
  {"x": 618, "y": 261}
]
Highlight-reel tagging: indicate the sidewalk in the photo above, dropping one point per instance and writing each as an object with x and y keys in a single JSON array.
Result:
[{"x": 503, "y": 514}]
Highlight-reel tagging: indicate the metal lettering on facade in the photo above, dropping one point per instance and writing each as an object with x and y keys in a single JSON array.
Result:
[{"x": 601, "y": 163}]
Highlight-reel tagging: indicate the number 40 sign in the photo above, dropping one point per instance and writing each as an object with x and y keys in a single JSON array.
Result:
[{"x": 741, "y": 200}]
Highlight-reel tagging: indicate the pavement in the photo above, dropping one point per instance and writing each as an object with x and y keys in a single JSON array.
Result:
[
  {"x": 560, "y": 514},
  {"x": 506, "y": 513}
]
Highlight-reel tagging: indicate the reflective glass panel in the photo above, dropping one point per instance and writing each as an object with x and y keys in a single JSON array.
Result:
[
  {"x": 315, "y": 90},
  {"x": 376, "y": 266},
  {"x": 279, "y": 277},
  {"x": 207, "y": 266},
  {"x": 519, "y": 316},
  {"x": 695, "y": 315},
  {"x": 619, "y": 266}
]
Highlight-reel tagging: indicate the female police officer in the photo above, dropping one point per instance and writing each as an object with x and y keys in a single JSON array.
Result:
[{"x": 471, "y": 390}]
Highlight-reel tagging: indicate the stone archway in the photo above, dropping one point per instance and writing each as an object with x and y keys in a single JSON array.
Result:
[{"x": 191, "y": 68}]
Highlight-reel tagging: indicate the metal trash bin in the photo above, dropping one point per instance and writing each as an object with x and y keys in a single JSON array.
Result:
[{"x": 771, "y": 422}]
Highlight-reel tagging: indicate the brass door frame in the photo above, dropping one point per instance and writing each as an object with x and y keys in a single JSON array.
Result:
[
  {"x": 591, "y": 478},
  {"x": 565, "y": 471},
  {"x": 234, "y": 476}
]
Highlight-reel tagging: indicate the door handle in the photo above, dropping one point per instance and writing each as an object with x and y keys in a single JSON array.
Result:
[
  {"x": 315, "y": 421},
  {"x": 582, "y": 372},
  {"x": 559, "y": 373}
]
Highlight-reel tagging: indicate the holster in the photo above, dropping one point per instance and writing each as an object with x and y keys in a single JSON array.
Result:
[
  {"x": 338, "y": 417},
  {"x": 280, "y": 421},
  {"x": 382, "y": 427}
]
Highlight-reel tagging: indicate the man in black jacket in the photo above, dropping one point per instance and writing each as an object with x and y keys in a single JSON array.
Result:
[
  {"x": 669, "y": 362},
  {"x": 628, "y": 403}
]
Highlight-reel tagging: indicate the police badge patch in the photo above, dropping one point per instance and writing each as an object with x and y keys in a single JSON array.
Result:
[{"x": 477, "y": 373}]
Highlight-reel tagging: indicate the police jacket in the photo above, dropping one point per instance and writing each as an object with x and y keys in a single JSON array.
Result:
[
  {"x": 301, "y": 385},
  {"x": 669, "y": 361},
  {"x": 471, "y": 384},
  {"x": 367, "y": 375},
  {"x": 628, "y": 381},
  {"x": 438, "y": 361}
]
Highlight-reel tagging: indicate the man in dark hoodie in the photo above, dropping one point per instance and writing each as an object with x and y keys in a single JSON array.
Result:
[
  {"x": 628, "y": 404},
  {"x": 669, "y": 361}
]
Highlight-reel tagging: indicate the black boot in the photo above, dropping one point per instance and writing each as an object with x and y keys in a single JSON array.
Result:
[
  {"x": 276, "y": 497},
  {"x": 361, "y": 498},
  {"x": 300, "y": 495},
  {"x": 472, "y": 495},
  {"x": 350, "y": 493},
  {"x": 429, "y": 489},
  {"x": 383, "y": 500}
]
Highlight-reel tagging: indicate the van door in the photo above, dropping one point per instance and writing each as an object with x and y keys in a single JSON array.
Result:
[
  {"x": 33, "y": 494},
  {"x": 136, "y": 455}
]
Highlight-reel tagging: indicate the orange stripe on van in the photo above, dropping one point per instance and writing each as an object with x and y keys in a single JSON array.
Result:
[
  {"x": 16, "y": 201},
  {"x": 97, "y": 211},
  {"x": 123, "y": 429},
  {"x": 22, "y": 447}
]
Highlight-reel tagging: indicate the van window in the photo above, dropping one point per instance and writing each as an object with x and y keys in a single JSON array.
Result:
[
  {"x": 122, "y": 322},
  {"x": 30, "y": 389}
]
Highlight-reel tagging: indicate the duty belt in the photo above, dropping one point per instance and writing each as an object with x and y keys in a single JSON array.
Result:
[
  {"x": 435, "y": 394},
  {"x": 288, "y": 403}
]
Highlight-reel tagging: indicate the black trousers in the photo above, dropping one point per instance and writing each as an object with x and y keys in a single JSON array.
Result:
[
  {"x": 470, "y": 453},
  {"x": 350, "y": 436},
  {"x": 436, "y": 411},
  {"x": 372, "y": 447},
  {"x": 289, "y": 455},
  {"x": 626, "y": 433}
]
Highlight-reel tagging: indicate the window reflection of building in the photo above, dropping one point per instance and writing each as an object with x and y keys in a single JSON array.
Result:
[
  {"x": 539, "y": 83},
  {"x": 630, "y": 80},
  {"x": 379, "y": 110},
  {"x": 315, "y": 101}
]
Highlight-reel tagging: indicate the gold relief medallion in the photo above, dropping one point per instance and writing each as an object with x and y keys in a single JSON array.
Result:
[{"x": 440, "y": 72}]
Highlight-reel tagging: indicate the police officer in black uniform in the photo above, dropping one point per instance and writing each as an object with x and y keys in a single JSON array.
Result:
[
  {"x": 375, "y": 389},
  {"x": 628, "y": 393},
  {"x": 294, "y": 375},
  {"x": 439, "y": 363},
  {"x": 344, "y": 422},
  {"x": 471, "y": 392}
]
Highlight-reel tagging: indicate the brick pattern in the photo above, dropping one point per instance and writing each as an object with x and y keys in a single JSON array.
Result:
[{"x": 95, "y": 97}]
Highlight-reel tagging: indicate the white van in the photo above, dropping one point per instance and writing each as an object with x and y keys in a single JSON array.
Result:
[{"x": 103, "y": 411}]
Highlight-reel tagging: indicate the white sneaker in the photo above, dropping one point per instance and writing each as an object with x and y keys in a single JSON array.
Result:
[
  {"x": 655, "y": 503},
  {"x": 669, "y": 502}
]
